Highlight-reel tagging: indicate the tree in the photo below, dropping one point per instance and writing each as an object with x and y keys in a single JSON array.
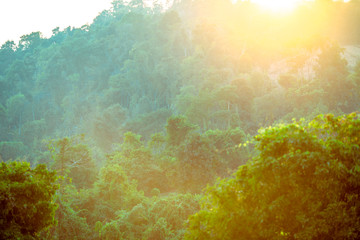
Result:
[
  {"x": 115, "y": 190},
  {"x": 177, "y": 129},
  {"x": 332, "y": 72},
  {"x": 32, "y": 40},
  {"x": 12, "y": 150},
  {"x": 7, "y": 55},
  {"x": 15, "y": 110},
  {"x": 198, "y": 163},
  {"x": 226, "y": 146},
  {"x": 74, "y": 164},
  {"x": 106, "y": 127},
  {"x": 73, "y": 159},
  {"x": 355, "y": 78},
  {"x": 3, "y": 122},
  {"x": 303, "y": 184},
  {"x": 139, "y": 164},
  {"x": 26, "y": 197},
  {"x": 154, "y": 218}
]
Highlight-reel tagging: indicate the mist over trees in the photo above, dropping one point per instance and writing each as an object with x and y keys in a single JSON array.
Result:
[{"x": 142, "y": 109}]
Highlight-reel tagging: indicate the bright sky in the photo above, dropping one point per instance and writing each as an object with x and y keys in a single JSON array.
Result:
[
  {"x": 20, "y": 17},
  {"x": 278, "y": 5}
]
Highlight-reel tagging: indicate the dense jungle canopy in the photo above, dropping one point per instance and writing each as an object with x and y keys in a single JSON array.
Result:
[{"x": 189, "y": 119}]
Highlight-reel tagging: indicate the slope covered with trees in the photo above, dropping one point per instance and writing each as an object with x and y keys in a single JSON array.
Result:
[{"x": 142, "y": 109}]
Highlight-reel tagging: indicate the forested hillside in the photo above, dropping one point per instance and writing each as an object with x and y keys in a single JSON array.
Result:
[{"x": 139, "y": 111}]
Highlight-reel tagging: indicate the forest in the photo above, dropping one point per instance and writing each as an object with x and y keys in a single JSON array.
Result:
[{"x": 192, "y": 119}]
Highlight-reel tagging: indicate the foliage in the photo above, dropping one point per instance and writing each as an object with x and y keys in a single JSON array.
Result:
[
  {"x": 139, "y": 164},
  {"x": 12, "y": 150},
  {"x": 136, "y": 66},
  {"x": 226, "y": 146},
  {"x": 115, "y": 189},
  {"x": 303, "y": 184},
  {"x": 27, "y": 200},
  {"x": 198, "y": 163},
  {"x": 332, "y": 71},
  {"x": 73, "y": 159},
  {"x": 169, "y": 98},
  {"x": 155, "y": 218},
  {"x": 177, "y": 129}
]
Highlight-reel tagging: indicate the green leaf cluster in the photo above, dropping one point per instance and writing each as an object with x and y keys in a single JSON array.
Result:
[
  {"x": 303, "y": 184},
  {"x": 27, "y": 200}
]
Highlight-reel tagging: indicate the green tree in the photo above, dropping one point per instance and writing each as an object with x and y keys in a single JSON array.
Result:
[
  {"x": 139, "y": 164},
  {"x": 15, "y": 111},
  {"x": 355, "y": 78},
  {"x": 177, "y": 129},
  {"x": 115, "y": 190},
  {"x": 72, "y": 223},
  {"x": 154, "y": 218},
  {"x": 332, "y": 72},
  {"x": 303, "y": 184},
  {"x": 198, "y": 163},
  {"x": 74, "y": 164},
  {"x": 226, "y": 146},
  {"x": 3, "y": 123},
  {"x": 12, "y": 150},
  {"x": 26, "y": 197},
  {"x": 7, "y": 55},
  {"x": 106, "y": 127},
  {"x": 73, "y": 159}
]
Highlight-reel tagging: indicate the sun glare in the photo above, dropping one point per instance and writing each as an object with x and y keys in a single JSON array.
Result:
[{"x": 277, "y": 5}]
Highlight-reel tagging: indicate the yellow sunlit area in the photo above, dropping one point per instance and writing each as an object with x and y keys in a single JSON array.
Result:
[
  {"x": 180, "y": 119},
  {"x": 278, "y": 5}
]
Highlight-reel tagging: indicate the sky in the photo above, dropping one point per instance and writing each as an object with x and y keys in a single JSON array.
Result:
[{"x": 21, "y": 17}]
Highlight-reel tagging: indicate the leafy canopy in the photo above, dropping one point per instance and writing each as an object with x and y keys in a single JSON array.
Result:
[
  {"x": 26, "y": 198},
  {"x": 303, "y": 184}
]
